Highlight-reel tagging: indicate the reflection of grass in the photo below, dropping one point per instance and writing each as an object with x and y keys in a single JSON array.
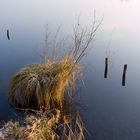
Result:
[{"x": 42, "y": 85}]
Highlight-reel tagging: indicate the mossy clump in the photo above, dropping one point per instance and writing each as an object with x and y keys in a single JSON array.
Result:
[{"x": 42, "y": 85}]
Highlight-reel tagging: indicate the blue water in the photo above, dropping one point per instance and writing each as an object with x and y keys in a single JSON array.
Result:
[{"x": 110, "y": 111}]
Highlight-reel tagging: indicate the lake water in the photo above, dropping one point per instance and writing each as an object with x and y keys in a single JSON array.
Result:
[{"x": 109, "y": 110}]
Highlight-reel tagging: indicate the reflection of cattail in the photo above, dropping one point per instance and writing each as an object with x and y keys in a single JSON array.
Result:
[
  {"x": 106, "y": 67},
  {"x": 8, "y": 36},
  {"x": 124, "y": 75}
]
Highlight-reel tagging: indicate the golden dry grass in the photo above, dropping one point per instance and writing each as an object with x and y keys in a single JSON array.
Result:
[
  {"x": 45, "y": 126},
  {"x": 42, "y": 85},
  {"x": 46, "y": 86},
  {"x": 35, "y": 127}
]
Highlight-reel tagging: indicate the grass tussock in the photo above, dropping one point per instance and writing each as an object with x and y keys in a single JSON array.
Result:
[
  {"x": 42, "y": 85},
  {"x": 47, "y": 86}
]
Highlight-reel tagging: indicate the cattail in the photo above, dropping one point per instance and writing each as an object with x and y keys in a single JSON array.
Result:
[
  {"x": 106, "y": 68},
  {"x": 124, "y": 75},
  {"x": 8, "y": 35}
]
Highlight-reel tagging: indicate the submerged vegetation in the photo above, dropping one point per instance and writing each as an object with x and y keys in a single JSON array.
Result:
[{"x": 45, "y": 89}]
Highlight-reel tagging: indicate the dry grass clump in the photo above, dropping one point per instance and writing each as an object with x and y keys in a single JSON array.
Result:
[
  {"x": 44, "y": 126},
  {"x": 47, "y": 86},
  {"x": 42, "y": 85}
]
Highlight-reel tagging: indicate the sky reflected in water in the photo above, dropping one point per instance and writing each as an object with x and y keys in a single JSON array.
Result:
[{"x": 110, "y": 111}]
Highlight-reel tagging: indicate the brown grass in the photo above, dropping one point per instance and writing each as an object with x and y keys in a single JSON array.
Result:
[
  {"x": 46, "y": 86},
  {"x": 42, "y": 85},
  {"x": 45, "y": 126}
]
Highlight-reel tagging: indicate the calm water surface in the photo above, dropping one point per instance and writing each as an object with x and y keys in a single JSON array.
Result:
[{"x": 110, "y": 111}]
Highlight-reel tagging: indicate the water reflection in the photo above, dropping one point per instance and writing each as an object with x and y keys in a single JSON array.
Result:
[{"x": 112, "y": 111}]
